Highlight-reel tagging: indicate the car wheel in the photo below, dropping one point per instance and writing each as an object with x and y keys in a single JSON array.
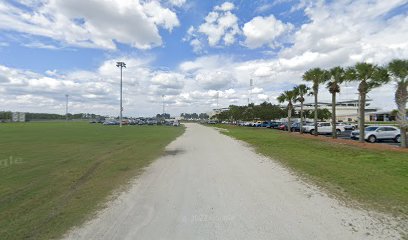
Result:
[
  {"x": 338, "y": 132},
  {"x": 372, "y": 139},
  {"x": 398, "y": 139},
  {"x": 312, "y": 132}
]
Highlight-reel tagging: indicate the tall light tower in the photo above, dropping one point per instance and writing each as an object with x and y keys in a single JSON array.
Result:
[
  {"x": 66, "y": 106},
  {"x": 120, "y": 65}
]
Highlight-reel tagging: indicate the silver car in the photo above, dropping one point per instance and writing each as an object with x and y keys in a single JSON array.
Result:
[{"x": 375, "y": 133}]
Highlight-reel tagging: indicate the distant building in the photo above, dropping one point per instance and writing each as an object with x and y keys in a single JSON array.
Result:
[
  {"x": 18, "y": 117},
  {"x": 382, "y": 116},
  {"x": 346, "y": 111},
  {"x": 217, "y": 111}
]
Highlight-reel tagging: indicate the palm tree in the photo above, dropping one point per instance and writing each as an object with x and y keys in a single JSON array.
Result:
[
  {"x": 398, "y": 70},
  {"x": 317, "y": 76},
  {"x": 288, "y": 96},
  {"x": 338, "y": 76},
  {"x": 369, "y": 76},
  {"x": 300, "y": 91}
]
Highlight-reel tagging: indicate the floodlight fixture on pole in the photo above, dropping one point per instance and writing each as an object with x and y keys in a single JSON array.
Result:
[
  {"x": 120, "y": 65},
  {"x": 66, "y": 106}
]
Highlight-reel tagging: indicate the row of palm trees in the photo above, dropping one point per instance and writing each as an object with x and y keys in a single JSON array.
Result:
[{"x": 369, "y": 76}]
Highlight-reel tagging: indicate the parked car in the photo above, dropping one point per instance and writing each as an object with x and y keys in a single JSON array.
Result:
[
  {"x": 295, "y": 127},
  {"x": 266, "y": 124},
  {"x": 151, "y": 122},
  {"x": 376, "y": 133},
  {"x": 347, "y": 126},
  {"x": 258, "y": 124},
  {"x": 275, "y": 125},
  {"x": 111, "y": 122},
  {"x": 283, "y": 126},
  {"x": 322, "y": 128},
  {"x": 176, "y": 123}
]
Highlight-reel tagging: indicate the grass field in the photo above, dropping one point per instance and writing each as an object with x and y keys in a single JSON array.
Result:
[
  {"x": 375, "y": 179},
  {"x": 53, "y": 175}
]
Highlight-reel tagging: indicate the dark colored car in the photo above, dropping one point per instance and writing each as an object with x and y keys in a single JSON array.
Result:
[
  {"x": 275, "y": 125},
  {"x": 111, "y": 122},
  {"x": 266, "y": 124},
  {"x": 295, "y": 127}
]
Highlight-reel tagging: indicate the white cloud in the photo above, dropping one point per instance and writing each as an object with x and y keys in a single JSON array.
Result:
[
  {"x": 177, "y": 3},
  {"x": 220, "y": 25},
  {"x": 262, "y": 97},
  {"x": 257, "y": 90},
  {"x": 264, "y": 8},
  {"x": 72, "y": 22},
  {"x": 41, "y": 45},
  {"x": 197, "y": 45},
  {"x": 262, "y": 31},
  {"x": 90, "y": 91},
  {"x": 227, "y": 6},
  {"x": 166, "y": 83},
  {"x": 161, "y": 16},
  {"x": 341, "y": 34},
  {"x": 214, "y": 80},
  {"x": 194, "y": 40}
]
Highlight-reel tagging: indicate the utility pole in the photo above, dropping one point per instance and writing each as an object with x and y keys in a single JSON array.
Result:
[
  {"x": 66, "y": 106},
  {"x": 121, "y": 65}
]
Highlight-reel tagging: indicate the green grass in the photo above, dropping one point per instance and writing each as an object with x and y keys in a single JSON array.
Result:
[
  {"x": 375, "y": 179},
  {"x": 54, "y": 175}
]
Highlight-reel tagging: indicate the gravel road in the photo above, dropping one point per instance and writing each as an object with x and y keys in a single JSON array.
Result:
[{"x": 209, "y": 186}]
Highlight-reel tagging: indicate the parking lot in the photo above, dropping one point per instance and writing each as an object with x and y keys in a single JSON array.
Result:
[{"x": 344, "y": 135}]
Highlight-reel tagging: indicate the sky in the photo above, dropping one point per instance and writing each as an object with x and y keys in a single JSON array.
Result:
[{"x": 186, "y": 52}]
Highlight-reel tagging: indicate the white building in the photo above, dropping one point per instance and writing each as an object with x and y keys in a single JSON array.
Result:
[
  {"x": 346, "y": 111},
  {"x": 18, "y": 117},
  {"x": 217, "y": 111}
]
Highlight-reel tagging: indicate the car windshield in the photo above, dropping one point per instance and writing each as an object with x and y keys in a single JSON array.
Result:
[{"x": 370, "y": 129}]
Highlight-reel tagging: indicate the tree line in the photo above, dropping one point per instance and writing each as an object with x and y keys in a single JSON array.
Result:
[
  {"x": 195, "y": 116},
  {"x": 264, "y": 111},
  {"x": 7, "y": 115}
]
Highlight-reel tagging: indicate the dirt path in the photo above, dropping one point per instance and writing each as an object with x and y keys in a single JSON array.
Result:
[{"x": 210, "y": 186}]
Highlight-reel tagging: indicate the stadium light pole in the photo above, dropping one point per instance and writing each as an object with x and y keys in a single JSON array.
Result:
[
  {"x": 66, "y": 106},
  {"x": 120, "y": 65}
]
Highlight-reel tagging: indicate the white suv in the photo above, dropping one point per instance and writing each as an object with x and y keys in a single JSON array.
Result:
[
  {"x": 375, "y": 133},
  {"x": 322, "y": 128}
]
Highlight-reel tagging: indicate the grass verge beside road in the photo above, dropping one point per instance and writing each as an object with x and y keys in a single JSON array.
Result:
[
  {"x": 53, "y": 175},
  {"x": 377, "y": 179}
]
